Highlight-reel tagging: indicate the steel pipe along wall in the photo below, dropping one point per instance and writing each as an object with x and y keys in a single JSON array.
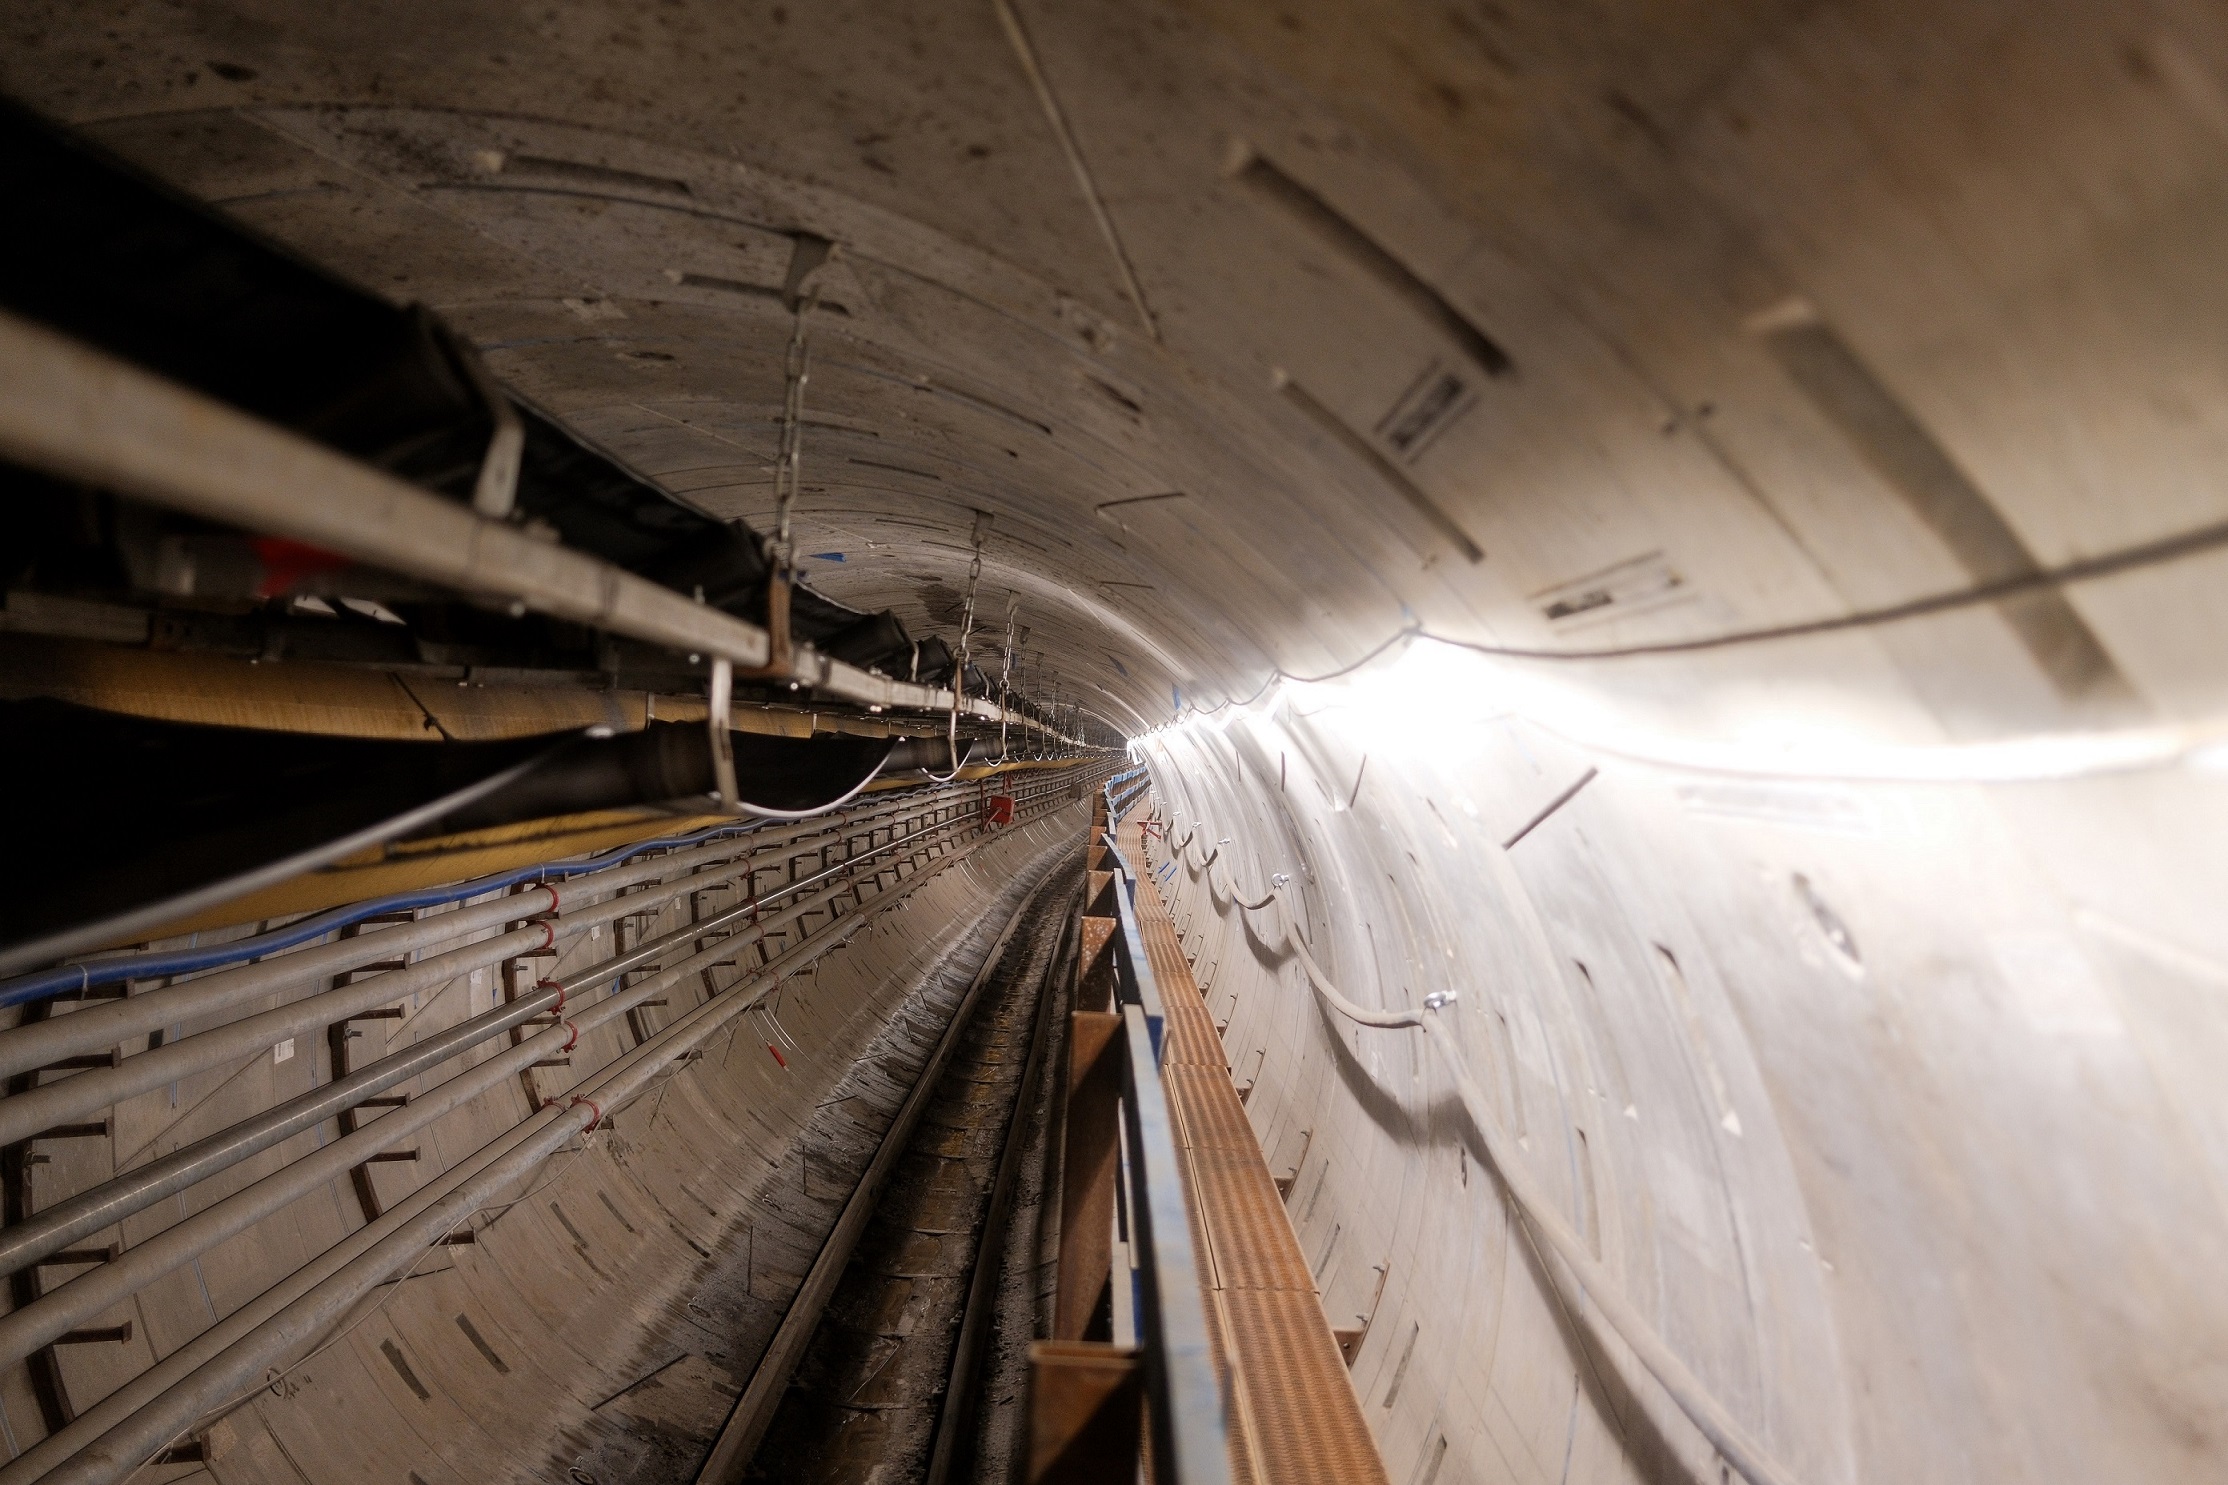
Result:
[
  {"x": 1691, "y": 535},
  {"x": 811, "y": 1033}
]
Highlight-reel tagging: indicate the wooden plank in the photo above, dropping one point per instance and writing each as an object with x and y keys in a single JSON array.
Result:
[
  {"x": 1084, "y": 1407},
  {"x": 1087, "y": 1170}
]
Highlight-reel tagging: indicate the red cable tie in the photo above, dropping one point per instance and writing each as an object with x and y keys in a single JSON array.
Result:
[
  {"x": 559, "y": 1008},
  {"x": 777, "y": 1056},
  {"x": 577, "y": 1101}
]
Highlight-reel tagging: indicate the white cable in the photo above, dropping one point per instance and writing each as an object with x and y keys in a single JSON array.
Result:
[{"x": 1534, "y": 1205}]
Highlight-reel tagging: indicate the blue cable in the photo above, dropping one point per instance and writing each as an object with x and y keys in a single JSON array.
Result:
[{"x": 48, "y": 982}]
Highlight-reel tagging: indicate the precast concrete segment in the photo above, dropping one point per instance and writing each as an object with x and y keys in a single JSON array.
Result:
[
  {"x": 166, "y": 1394},
  {"x": 1726, "y": 1434},
  {"x": 1296, "y": 1417}
]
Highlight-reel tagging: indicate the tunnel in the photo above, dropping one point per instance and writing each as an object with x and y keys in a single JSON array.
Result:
[{"x": 1442, "y": 743}]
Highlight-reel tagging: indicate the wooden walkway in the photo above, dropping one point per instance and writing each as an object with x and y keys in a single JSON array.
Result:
[{"x": 1296, "y": 1420}]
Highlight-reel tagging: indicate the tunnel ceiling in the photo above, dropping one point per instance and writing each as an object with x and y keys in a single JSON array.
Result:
[{"x": 1264, "y": 331}]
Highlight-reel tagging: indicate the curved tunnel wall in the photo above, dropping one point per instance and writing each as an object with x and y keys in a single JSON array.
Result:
[
  {"x": 1806, "y": 310},
  {"x": 1910, "y": 1169}
]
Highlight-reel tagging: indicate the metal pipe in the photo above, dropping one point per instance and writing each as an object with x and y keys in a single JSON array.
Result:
[
  {"x": 88, "y": 1212},
  {"x": 26, "y": 1114},
  {"x": 110, "y": 1202},
  {"x": 25, "y": 1330},
  {"x": 93, "y": 1422},
  {"x": 43, "y": 1043},
  {"x": 115, "y": 1436},
  {"x": 108, "y": 969},
  {"x": 86, "y": 415}
]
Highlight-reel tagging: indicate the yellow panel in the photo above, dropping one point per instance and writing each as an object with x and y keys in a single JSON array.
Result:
[
  {"x": 361, "y": 701},
  {"x": 477, "y": 713},
  {"x": 217, "y": 690},
  {"x": 433, "y": 863},
  {"x": 408, "y": 866}
]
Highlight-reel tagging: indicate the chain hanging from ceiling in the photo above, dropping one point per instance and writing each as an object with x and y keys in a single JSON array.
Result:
[
  {"x": 788, "y": 471},
  {"x": 789, "y": 463},
  {"x": 1005, "y": 676},
  {"x": 966, "y": 638}
]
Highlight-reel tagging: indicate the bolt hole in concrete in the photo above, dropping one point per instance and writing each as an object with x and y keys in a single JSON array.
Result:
[{"x": 1837, "y": 935}]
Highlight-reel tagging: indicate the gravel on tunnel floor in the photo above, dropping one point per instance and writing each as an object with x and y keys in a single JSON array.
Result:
[{"x": 863, "y": 1406}]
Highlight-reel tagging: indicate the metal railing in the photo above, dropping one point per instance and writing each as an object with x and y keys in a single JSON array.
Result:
[
  {"x": 1143, "y": 1261},
  {"x": 1124, "y": 789}
]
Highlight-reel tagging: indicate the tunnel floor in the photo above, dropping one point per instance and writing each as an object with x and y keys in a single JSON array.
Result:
[{"x": 864, "y": 1405}]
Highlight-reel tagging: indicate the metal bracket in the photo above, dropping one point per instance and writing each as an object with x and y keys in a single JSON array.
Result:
[
  {"x": 495, "y": 492},
  {"x": 717, "y": 716}
]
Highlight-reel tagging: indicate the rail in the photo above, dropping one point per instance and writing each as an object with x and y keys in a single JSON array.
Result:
[{"x": 1128, "y": 1267}]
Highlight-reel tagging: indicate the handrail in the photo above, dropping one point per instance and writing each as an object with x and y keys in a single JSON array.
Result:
[
  {"x": 1186, "y": 1409},
  {"x": 1726, "y": 1433}
]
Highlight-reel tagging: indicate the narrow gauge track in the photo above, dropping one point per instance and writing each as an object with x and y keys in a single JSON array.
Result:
[{"x": 872, "y": 1377}]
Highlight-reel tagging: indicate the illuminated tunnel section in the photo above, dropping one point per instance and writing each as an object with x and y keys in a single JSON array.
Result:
[{"x": 1681, "y": 549}]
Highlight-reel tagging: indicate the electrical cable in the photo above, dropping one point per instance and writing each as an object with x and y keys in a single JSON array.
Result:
[
  {"x": 2126, "y": 559},
  {"x": 766, "y": 812},
  {"x": 84, "y": 976},
  {"x": 134, "y": 921},
  {"x": 67, "y": 978},
  {"x": 1725, "y": 1433}
]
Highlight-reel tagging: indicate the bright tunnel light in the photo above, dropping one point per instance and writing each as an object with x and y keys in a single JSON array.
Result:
[{"x": 1433, "y": 702}]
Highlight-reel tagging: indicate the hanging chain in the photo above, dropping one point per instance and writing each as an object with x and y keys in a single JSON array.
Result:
[
  {"x": 1005, "y": 677},
  {"x": 974, "y": 577},
  {"x": 966, "y": 633},
  {"x": 789, "y": 464}
]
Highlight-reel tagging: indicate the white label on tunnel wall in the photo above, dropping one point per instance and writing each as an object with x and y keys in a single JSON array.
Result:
[
  {"x": 283, "y": 1052},
  {"x": 2052, "y": 985},
  {"x": 1828, "y": 811}
]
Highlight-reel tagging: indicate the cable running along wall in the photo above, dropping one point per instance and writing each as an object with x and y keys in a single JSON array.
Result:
[{"x": 1726, "y": 1434}]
